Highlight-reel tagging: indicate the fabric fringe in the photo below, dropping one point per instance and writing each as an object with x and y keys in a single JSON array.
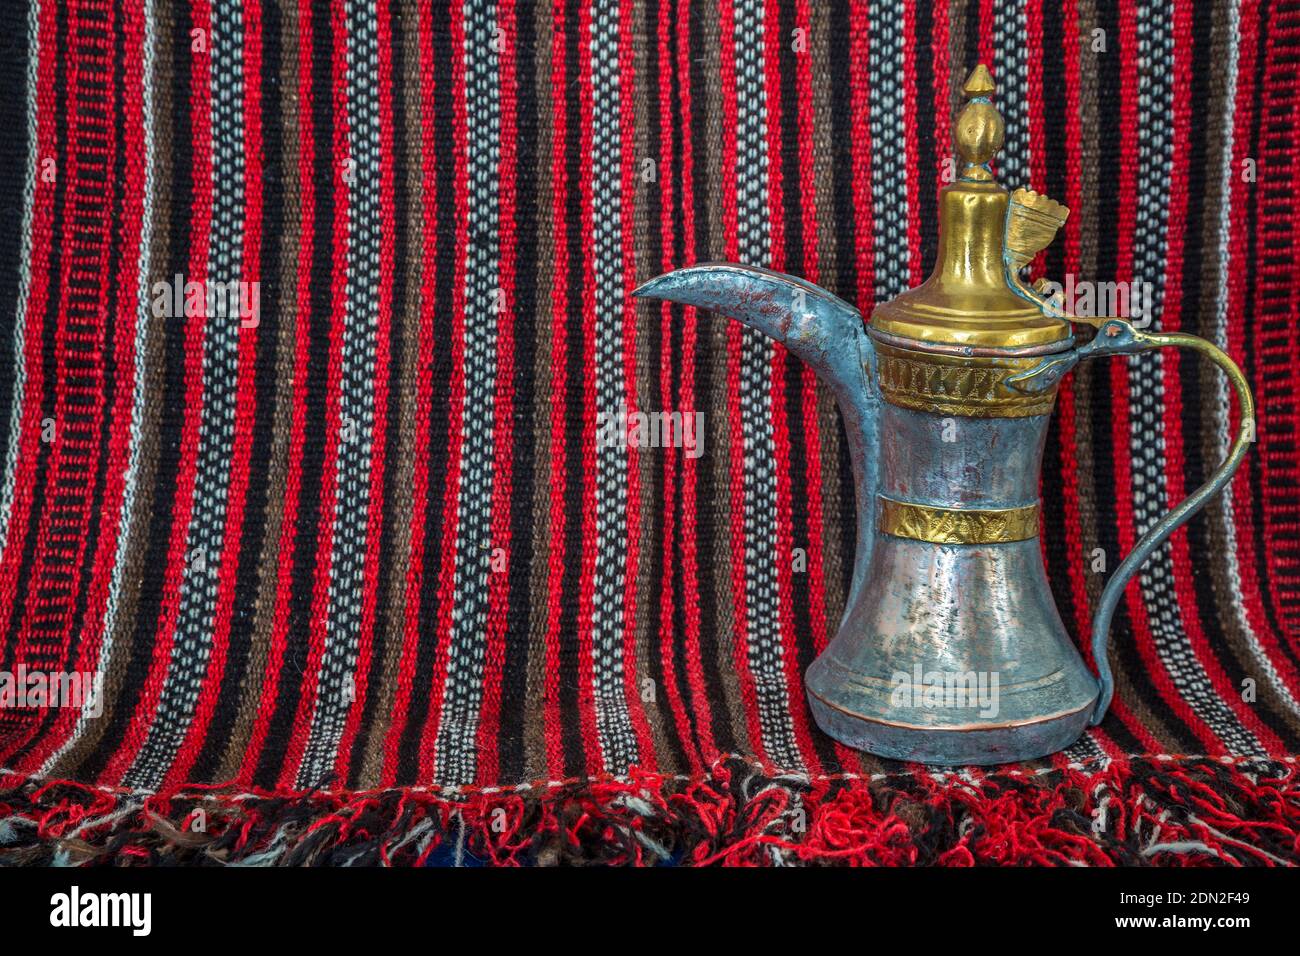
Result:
[{"x": 1180, "y": 811}]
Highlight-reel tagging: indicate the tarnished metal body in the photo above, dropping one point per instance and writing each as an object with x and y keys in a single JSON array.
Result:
[
  {"x": 931, "y": 613},
  {"x": 951, "y": 650}
]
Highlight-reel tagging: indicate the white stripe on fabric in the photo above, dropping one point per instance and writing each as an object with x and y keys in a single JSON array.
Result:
[
  {"x": 618, "y": 742},
  {"x": 889, "y": 206},
  {"x": 762, "y": 595},
  {"x": 456, "y": 756},
  {"x": 24, "y": 281},
  {"x": 336, "y": 683}
]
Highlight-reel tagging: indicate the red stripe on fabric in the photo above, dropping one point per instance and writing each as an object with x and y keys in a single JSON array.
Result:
[
  {"x": 416, "y": 551},
  {"x": 910, "y": 145},
  {"x": 672, "y": 465},
  {"x": 987, "y": 16},
  {"x": 245, "y": 411},
  {"x": 942, "y": 56},
  {"x": 667, "y": 635},
  {"x": 552, "y": 719},
  {"x": 450, "y": 556},
  {"x": 177, "y": 556},
  {"x": 780, "y": 358},
  {"x": 274, "y": 667},
  {"x": 383, "y": 359},
  {"x": 323, "y": 571},
  {"x": 586, "y": 585},
  {"x": 690, "y": 324},
  {"x": 1277, "y": 349},
  {"x": 859, "y": 98},
  {"x": 503, "y": 414}
]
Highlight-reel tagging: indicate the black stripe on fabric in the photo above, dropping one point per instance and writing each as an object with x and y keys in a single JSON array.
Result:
[
  {"x": 159, "y": 511},
  {"x": 674, "y": 353},
  {"x": 298, "y": 635},
  {"x": 15, "y": 59},
  {"x": 845, "y": 225},
  {"x": 272, "y": 312},
  {"x": 972, "y": 38},
  {"x": 14, "y": 64},
  {"x": 707, "y": 487},
  {"x": 849, "y": 285},
  {"x": 929, "y": 125},
  {"x": 530, "y": 188},
  {"x": 440, "y": 371},
  {"x": 653, "y": 520},
  {"x": 574, "y": 436},
  {"x": 1056, "y": 458}
]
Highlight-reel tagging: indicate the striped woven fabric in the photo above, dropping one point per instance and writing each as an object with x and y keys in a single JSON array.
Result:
[{"x": 310, "y": 314}]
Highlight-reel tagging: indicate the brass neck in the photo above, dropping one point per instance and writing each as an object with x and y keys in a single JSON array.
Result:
[
  {"x": 971, "y": 224},
  {"x": 968, "y": 302}
]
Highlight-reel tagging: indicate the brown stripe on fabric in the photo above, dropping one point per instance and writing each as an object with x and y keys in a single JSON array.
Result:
[
  {"x": 649, "y": 356},
  {"x": 133, "y": 559},
  {"x": 1085, "y": 381},
  {"x": 713, "y": 468},
  {"x": 286, "y": 345},
  {"x": 960, "y": 69},
  {"x": 535, "y": 761},
  {"x": 409, "y": 249},
  {"x": 835, "y": 509}
]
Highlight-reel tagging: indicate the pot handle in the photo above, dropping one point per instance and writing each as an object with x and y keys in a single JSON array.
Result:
[{"x": 1117, "y": 337}]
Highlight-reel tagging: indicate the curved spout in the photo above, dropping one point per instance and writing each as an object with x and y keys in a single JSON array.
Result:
[{"x": 820, "y": 328}]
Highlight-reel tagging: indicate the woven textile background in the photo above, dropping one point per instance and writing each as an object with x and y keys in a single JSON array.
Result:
[{"x": 364, "y": 536}]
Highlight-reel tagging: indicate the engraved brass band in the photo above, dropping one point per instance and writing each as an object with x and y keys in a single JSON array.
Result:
[
  {"x": 962, "y": 385},
  {"x": 903, "y": 519}
]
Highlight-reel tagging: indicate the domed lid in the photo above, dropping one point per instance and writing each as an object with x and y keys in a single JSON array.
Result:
[{"x": 969, "y": 299}]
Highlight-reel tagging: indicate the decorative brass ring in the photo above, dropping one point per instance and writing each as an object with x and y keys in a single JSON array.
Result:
[
  {"x": 904, "y": 519},
  {"x": 970, "y": 387}
]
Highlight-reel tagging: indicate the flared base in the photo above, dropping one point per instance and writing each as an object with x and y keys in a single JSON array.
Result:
[{"x": 971, "y": 744}]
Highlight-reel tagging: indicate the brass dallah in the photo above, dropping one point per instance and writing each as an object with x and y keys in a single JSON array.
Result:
[{"x": 951, "y": 649}]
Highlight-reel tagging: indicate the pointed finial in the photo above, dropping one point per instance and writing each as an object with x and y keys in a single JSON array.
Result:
[
  {"x": 979, "y": 83},
  {"x": 979, "y": 128}
]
